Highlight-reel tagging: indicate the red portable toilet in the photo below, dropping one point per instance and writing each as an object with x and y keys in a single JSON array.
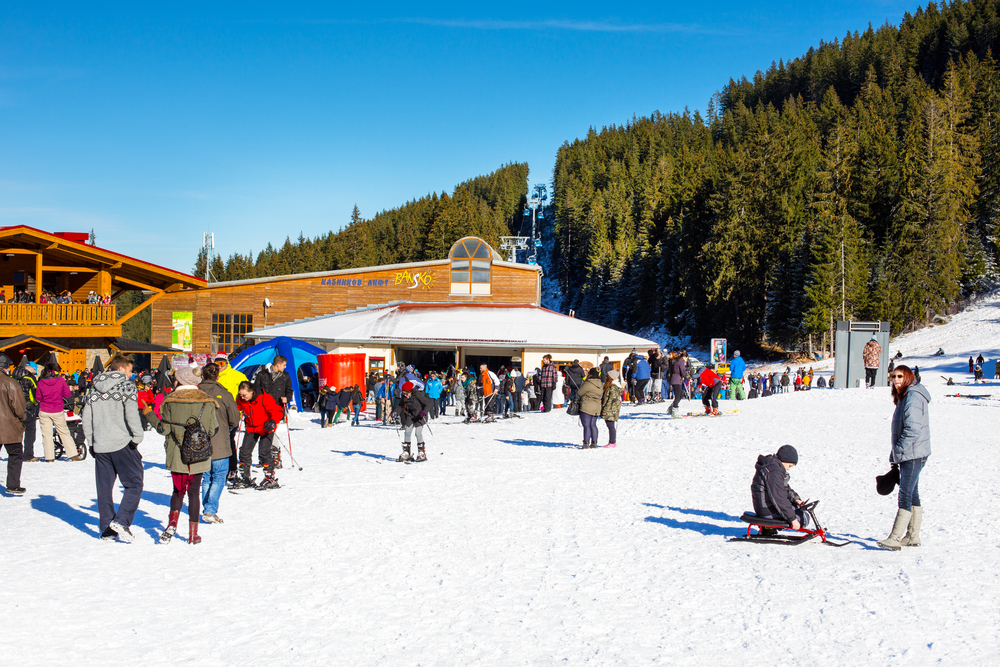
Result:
[{"x": 340, "y": 370}]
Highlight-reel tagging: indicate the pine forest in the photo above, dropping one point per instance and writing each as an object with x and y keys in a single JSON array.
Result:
[{"x": 858, "y": 181}]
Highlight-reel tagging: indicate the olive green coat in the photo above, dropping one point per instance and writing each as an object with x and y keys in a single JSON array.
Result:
[
  {"x": 590, "y": 397},
  {"x": 177, "y": 408}
]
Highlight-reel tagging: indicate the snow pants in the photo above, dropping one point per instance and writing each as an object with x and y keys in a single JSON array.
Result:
[
  {"x": 870, "y": 376},
  {"x": 250, "y": 441},
  {"x": 408, "y": 431},
  {"x": 736, "y": 388},
  {"x": 708, "y": 396},
  {"x": 126, "y": 466}
]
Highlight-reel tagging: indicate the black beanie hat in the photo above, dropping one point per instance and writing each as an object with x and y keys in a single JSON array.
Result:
[{"x": 787, "y": 454}]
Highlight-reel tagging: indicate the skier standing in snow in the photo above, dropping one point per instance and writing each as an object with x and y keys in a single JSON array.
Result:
[
  {"x": 12, "y": 412},
  {"x": 911, "y": 446},
  {"x": 414, "y": 407},
  {"x": 186, "y": 403},
  {"x": 712, "y": 383},
  {"x": 260, "y": 420}
]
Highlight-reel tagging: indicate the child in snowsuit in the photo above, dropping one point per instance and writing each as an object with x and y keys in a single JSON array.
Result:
[{"x": 772, "y": 497}]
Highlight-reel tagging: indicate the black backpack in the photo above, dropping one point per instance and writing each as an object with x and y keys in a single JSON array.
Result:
[{"x": 196, "y": 446}]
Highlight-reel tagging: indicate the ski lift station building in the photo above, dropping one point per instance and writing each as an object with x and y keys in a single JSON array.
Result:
[{"x": 468, "y": 308}]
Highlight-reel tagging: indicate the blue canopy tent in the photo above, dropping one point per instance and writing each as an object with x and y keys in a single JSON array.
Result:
[{"x": 261, "y": 354}]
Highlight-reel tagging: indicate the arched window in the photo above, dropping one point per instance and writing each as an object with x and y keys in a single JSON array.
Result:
[{"x": 471, "y": 267}]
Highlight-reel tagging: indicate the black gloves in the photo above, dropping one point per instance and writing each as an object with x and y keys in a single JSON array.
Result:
[{"x": 270, "y": 426}]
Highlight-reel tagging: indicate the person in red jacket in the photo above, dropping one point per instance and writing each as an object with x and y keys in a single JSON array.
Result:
[
  {"x": 260, "y": 420},
  {"x": 711, "y": 383}
]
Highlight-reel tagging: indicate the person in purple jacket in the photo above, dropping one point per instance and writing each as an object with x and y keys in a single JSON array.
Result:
[{"x": 52, "y": 391}]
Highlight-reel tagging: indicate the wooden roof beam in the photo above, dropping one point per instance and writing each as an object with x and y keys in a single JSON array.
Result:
[{"x": 135, "y": 311}]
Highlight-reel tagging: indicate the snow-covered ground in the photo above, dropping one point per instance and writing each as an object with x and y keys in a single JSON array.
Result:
[{"x": 510, "y": 546}]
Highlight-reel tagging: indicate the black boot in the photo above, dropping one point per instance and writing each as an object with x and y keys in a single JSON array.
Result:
[
  {"x": 245, "y": 481},
  {"x": 421, "y": 454},
  {"x": 405, "y": 456},
  {"x": 270, "y": 481}
]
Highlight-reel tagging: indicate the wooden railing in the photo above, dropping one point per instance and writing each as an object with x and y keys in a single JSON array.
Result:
[{"x": 76, "y": 314}]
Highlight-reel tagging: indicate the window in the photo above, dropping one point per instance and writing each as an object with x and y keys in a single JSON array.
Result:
[
  {"x": 229, "y": 330},
  {"x": 471, "y": 266}
]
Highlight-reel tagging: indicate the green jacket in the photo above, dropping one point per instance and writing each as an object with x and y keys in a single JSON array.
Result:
[
  {"x": 227, "y": 414},
  {"x": 177, "y": 408},
  {"x": 611, "y": 404},
  {"x": 590, "y": 397}
]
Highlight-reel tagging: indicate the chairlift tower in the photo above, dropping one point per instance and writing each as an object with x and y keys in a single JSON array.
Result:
[
  {"x": 537, "y": 200},
  {"x": 208, "y": 245},
  {"x": 513, "y": 244}
]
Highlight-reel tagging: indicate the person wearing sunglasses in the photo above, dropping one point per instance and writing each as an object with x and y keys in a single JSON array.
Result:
[{"x": 911, "y": 445}]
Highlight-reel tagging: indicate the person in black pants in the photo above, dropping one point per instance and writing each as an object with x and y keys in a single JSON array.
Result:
[
  {"x": 111, "y": 425},
  {"x": 12, "y": 410}
]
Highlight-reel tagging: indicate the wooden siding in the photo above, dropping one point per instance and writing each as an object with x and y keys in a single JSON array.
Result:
[{"x": 298, "y": 298}]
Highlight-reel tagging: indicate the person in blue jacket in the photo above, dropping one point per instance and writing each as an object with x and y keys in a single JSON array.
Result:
[
  {"x": 434, "y": 389},
  {"x": 737, "y": 367},
  {"x": 641, "y": 377}
]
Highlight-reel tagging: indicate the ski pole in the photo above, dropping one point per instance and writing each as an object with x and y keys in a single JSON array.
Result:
[
  {"x": 288, "y": 434},
  {"x": 287, "y": 449}
]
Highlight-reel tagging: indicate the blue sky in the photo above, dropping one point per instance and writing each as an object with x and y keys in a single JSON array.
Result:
[{"x": 260, "y": 121}]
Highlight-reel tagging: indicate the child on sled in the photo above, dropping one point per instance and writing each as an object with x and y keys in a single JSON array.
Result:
[{"x": 773, "y": 498}]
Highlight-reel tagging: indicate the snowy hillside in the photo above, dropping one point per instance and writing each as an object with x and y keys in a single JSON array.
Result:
[{"x": 511, "y": 546}]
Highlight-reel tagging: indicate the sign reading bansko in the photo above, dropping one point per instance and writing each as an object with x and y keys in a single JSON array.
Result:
[{"x": 404, "y": 279}]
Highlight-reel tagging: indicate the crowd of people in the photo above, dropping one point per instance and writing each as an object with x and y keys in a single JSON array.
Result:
[
  {"x": 64, "y": 297},
  {"x": 201, "y": 411}
]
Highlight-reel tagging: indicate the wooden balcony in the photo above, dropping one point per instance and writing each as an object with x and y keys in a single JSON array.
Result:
[{"x": 57, "y": 320}]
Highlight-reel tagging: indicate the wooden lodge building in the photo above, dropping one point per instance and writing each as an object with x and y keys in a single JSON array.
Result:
[
  {"x": 64, "y": 263},
  {"x": 470, "y": 307}
]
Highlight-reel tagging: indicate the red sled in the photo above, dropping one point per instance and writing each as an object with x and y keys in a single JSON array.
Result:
[{"x": 801, "y": 534}]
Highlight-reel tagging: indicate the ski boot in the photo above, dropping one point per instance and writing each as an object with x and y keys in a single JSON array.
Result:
[
  {"x": 675, "y": 413},
  {"x": 708, "y": 409},
  {"x": 715, "y": 412},
  {"x": 245, "y": 481},
  {"x": 405, "y": 456},
  {"x": 270, "y": 481},
  {"x": 171, "y": 528},
  {"x": 276, "y": 457},
  {"x": 421, "y": 454}
]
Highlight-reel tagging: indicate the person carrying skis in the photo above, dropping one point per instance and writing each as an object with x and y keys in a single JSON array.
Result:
[
  {"x": 413, "y": 409},
  {"x": 773, "y": 498},
  {"x": 260, "y": 420},
  {"x": 711, "y": 383}
]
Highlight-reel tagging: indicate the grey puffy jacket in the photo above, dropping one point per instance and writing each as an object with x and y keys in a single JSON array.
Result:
[{"x": 911, "y": 430}]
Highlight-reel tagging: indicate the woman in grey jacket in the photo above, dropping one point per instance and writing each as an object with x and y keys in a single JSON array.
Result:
[{"x": 911, "y": 445}]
